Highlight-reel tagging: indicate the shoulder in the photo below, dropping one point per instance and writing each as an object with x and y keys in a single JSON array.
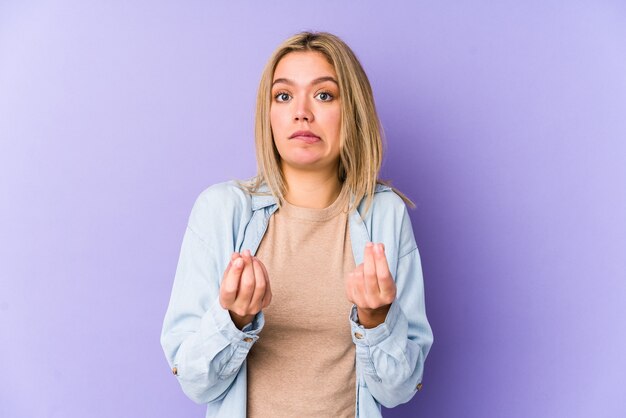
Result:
[
  {"x": 224, "y": 203},
  {"x": 385, "y": 202},
  {"x": 386, "y": 196},
  {"x": 228, "y": 192}
]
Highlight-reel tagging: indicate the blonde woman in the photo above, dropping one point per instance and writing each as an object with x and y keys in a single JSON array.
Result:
[{"x": 300, "y": 293}]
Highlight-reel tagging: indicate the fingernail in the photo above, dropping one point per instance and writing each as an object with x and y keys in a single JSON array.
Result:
[
  {"x": 369, "y": 244},
  {"x": 238, "y": 262},
  {"x": 379, "y": 248},
  {"x": 246, "y": 253}
]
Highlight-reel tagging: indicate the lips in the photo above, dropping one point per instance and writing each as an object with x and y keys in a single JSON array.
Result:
[{"x": 306, "y": 136}]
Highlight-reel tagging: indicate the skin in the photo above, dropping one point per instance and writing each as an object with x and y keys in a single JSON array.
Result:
[
  {"x": 245, "y": 288},
  {"x": 370, "y": 286},
  {"x": 306, "y": 97}
]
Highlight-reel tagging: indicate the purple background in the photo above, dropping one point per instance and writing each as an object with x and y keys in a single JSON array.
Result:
[{"x": 505, "y": 123}]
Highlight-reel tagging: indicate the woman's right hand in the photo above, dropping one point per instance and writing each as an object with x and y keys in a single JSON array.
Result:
[{"x": 245, "y": 288}]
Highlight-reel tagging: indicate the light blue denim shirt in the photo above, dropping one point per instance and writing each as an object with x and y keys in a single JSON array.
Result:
[{"x": 208, "y": 353}]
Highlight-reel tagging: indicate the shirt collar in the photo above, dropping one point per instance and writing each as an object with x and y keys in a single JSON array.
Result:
[{"x": 263, "y": 198}]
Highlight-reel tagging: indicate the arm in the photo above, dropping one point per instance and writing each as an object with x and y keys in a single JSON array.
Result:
[
  {"x": 390, "y": 348},
  {"x": 201, "y": 343},
  {"x": 391, "y": 356}
]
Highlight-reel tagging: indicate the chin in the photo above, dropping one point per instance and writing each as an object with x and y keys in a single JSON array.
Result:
[
  {"x": 306, "y": 164},
  {"x": 303, "y": 159}
]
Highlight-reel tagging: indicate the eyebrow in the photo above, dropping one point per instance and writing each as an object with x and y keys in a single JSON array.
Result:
[{"x": 316, "y": 81}]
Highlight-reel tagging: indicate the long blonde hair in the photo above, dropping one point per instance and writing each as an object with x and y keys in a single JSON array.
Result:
[{"x": 361, "y": 141}]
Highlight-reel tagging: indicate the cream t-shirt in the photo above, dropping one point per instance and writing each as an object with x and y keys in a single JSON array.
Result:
[{"x": 303, "y": 363}]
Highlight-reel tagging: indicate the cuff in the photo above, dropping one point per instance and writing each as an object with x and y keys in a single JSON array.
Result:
[
  {"x": 224, "y": 324},
  {"x": 372, "y": 336},
  {"x": 240, "y": 340}
]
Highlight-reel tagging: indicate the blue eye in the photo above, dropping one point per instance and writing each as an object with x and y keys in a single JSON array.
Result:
[
  {"x": 324, "y": 96},
  {"x": 282, "y": 97}
]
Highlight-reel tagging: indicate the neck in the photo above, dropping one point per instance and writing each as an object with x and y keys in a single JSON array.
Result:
[{"x": 316, "y": 190}]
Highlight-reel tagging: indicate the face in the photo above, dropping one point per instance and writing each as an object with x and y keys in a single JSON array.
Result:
[{"x": 305, "y": 112}]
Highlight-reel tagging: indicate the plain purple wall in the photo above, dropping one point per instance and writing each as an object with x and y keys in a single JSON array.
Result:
[{"x": 505, "y": 121}]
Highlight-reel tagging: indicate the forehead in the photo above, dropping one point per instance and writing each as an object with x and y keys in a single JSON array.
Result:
[{"x": 303, "y": 65}]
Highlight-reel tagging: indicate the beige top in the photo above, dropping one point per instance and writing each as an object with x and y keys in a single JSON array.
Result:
[{"x": 303, "y": 363}]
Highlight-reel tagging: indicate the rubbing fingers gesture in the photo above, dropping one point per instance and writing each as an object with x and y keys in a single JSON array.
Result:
[
  {"x": 245, "y": 288},
  {"x": 370, "y": 286}
]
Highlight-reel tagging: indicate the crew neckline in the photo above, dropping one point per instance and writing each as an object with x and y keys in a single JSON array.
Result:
[{"x": 314, "y": 214}]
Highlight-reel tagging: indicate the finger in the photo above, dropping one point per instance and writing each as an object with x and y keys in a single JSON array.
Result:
[
  {"x": 263, "y": 268},
  {"x": 369, "y": 272},
  {"x": 259, "y": 287},
  {"x": 385, "y": 281},
  {"x": 358, "y": 289},
  {"x": 246, "y": 255},
  {"x": 351, "y": 282},
  {"x": 382, "y": 268},
  {"x": 387, "y": 289},
  {"x": 230, "y": 284},
  {"x": 233, "y": 257},
  {"x": 246, "y": 286},
  {"x": 267, "y": 298}
]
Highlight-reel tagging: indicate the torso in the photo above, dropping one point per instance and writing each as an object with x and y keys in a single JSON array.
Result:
[{"x": 303, "y": 363}]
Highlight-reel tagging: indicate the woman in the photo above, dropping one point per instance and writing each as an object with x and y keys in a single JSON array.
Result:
[{"x": 300, "y": 293}]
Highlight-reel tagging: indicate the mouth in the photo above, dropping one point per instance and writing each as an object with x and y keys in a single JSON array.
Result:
[{"x": 306, "y": 136}]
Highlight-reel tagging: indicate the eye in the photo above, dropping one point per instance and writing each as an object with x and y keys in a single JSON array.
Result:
[
  {"x": 325, "y": 96},
  {"x": 282, "y": 97}
]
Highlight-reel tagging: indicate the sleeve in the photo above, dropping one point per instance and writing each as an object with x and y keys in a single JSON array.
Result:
[
  {"x": 391, "y": 356},
  {"x": 202, "y": 345}
]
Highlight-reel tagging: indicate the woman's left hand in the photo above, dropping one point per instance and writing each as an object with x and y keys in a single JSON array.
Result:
[{"x": 370, "y": 286}]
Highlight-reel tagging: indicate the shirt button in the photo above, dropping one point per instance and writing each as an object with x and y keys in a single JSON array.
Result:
[
  {"x": 358, "y": 335},
  {"x": 248, "y": 339},
  {"x": 175, "y": 371},
  {"x": 419, "y": 386}
]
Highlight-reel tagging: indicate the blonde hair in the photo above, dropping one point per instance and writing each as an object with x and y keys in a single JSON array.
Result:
[{"x": 361, "y": 141}]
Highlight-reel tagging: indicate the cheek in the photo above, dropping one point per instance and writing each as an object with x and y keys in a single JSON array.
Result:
[
  {"x": 276, "y": 129},
  {"x": 276, "y": 120},
  {"x": 335, "y": 122}
]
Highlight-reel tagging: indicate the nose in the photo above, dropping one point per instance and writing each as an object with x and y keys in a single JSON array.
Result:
[{"x": 302, "y": 111}]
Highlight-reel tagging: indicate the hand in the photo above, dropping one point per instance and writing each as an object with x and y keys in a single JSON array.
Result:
[
  {"x": 245, "y": 288},
  {"x": 370, "y": 286}
]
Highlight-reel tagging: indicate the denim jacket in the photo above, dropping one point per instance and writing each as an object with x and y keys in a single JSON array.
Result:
[{"x": 207, "y": 353}]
